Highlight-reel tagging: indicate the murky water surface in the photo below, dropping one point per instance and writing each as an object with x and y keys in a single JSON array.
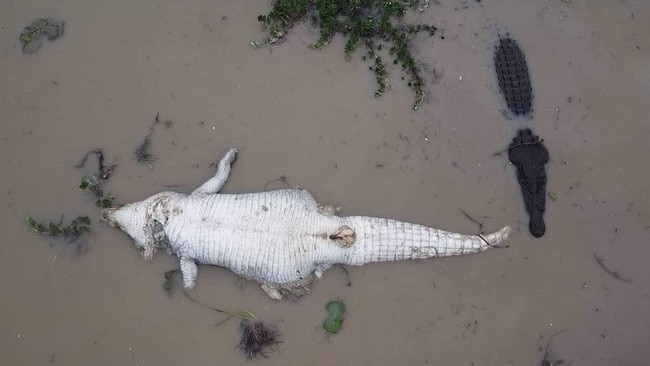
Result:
[{"x": 310, "y": 117}]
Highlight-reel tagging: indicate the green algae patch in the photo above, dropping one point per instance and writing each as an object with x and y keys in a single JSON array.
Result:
[
  {"x": 372, "y": 27},
  {"x": 334, "y": 320},
  {"x": 42, "y": 28}
]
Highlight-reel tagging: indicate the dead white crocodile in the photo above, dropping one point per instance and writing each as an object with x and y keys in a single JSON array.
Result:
[{"x": 278, "y": 238}]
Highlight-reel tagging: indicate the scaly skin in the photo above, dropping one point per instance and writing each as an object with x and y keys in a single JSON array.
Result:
[{"x": 278, "y": 238}]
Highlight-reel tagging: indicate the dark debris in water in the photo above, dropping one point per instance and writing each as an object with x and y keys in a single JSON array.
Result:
[
  {"x": 170, "y": 276},
  {"x": 371, "y": 24},
  {"x": 142, "y": 153},
  {"x": 256, "y": 337},
  {"x": 42, "y": 28},
  {"x": 548, "y": 359},
  {"x": 610, "y": 272}
]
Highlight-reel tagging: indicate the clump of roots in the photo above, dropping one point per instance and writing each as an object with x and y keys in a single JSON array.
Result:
[
  {"x": 255, "y": 336},
  {"x": 369, "y": 23}
]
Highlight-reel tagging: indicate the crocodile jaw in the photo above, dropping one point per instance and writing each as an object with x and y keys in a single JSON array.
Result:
[{"x": 130, "y": 218}]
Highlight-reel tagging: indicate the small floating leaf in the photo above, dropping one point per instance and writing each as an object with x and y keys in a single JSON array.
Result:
[
  {"x": 85, "y": 183},
  {"x": 334, "y": 320}
]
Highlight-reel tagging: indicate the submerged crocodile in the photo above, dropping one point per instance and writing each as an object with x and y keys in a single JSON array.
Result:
[
  {"x": 527, "y": 151},
  {"x": 279, "y": 238}
]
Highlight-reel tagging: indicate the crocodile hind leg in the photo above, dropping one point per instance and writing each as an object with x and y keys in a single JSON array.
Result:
[
  {"x": 294, "y": 289},
  {"x": 214, "y": 184},
  {"x": 272, "y": 291}
]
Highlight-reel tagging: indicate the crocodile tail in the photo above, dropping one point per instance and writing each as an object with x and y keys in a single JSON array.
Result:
[
  {"x": 381, "y": 240},
  {"x": 512, "y": 72}
]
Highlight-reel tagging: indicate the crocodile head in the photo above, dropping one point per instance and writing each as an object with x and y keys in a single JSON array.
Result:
[
  {"x": 130, "y": 218},
  {"x": 528, "y": 154},
  {"x": 139, "y": 220}
]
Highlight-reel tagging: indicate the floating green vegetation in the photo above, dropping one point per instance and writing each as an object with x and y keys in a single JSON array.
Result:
[
  {"x": 94, "y": 183},
  {"x": 365, "y": 23},
  {"x": 77, "y": 227},
  {"x": 32, "y": 35},
  {"x": 334, "y": 320}
]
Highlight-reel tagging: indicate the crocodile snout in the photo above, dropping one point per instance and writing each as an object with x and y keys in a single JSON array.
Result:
[{"x": 108, "y": 215}]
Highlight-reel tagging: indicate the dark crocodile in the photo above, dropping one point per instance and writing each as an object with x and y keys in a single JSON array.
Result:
[
  {"x": 529, "y": 155},
  {"x": 512, "y": 72},
  {"x": 526, "y": 151}
]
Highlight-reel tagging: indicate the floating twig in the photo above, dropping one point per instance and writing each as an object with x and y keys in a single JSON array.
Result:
[
  {"x": 612, "y": 273},
  {"x": 281, "y": 179},
  {"x": 347, "y": 275},
  {"x": 480, "y": 224},
  {"x": 545, "y": 360},
  {"x": 480, "y": 233},
  {"x": 239, "y": 315}
]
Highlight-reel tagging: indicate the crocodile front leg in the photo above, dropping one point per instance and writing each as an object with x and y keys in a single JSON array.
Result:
[
  {"x": 214, "y": 184},
  {"x": 189, "y": 271}
]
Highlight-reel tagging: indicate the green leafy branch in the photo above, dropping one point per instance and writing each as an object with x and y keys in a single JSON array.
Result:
[{"x": 365, "y": 23}]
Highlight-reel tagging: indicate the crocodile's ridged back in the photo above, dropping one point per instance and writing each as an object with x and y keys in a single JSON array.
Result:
[
  {"x": 514, "y": 80},
  {"x": 276, "y": 236}
]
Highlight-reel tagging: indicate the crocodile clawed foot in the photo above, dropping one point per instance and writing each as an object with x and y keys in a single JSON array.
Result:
[
  {"x": 230, "y": 157},
  {"x": 344, "y": 237},
  {"x": 148, "y": 252},
  {"x": 272, "y": 291}
]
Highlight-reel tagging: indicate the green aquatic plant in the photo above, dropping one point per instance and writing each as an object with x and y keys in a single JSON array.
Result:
[
  {"x": 334, "y": 320},
  {"x": 32, "y": 35},
  {"x": 103, "y": 199},
  {"x": 365, "y": 23},
  {"x": 94, "y": 184},
  {"x": 106, "y": 200},
  {"x": 77, "y": 227}
]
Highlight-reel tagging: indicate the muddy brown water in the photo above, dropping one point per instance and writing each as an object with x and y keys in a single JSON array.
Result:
[{"x": 310, "y": 116}]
